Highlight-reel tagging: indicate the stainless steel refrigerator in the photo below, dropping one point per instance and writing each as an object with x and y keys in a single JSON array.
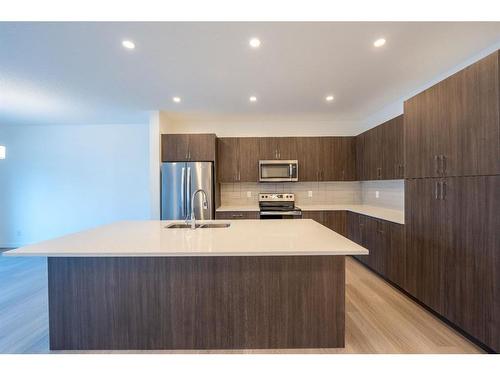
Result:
[{"x": 178, "y": 182}]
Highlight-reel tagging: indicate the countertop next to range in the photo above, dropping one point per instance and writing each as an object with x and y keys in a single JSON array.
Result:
[
  {"x": 395, "y": 216},
  {"x": 242, "y": 238}
]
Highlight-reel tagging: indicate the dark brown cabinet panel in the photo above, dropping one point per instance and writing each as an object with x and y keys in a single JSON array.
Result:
[
  {"x": 379, "y": 151},
  {"x": 287, "y": 148},
  {"x": 283, "y": 148},
  {"x": 268, "y": 148},
  {"x": 395, "y": 253},
  {"x": 317, "y": 216},
  {"x": 188, "y": 147},
  {"x": 248, "y": 159},
  {"x": 175, "y": 147},
  {"x": 453, "y": 128},
  {"x": 308, "y": 157},
  {"x": 202, "y": 147},
  {"x": 385, "y": 242},
  {"x": 238, "y": 159},
  {"x": 453, "y": 250},
  {"x": 424, "y": 213},
  {"x": 391, "y": 141},
  {"x": 228, "y": 159},
  {"x": 236, "y": 215},
  {"x": 344, "y": 159},
  {"x": 334, "y": 220},
  {"x": 361, "y": 167}
]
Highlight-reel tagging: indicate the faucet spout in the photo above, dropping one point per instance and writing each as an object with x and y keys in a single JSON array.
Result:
[{"x": 205, "y": 205}]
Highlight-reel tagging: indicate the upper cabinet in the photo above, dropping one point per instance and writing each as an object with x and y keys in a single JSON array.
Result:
[
  {"x": 238, "y": 159},
  {"x": 379, "y": 151},
  {"x": 188, "y": 147},
  {"x": 320, "y": 158},
  {"x": 453, "y": 128},
  {"x": 277, "y": 148}
]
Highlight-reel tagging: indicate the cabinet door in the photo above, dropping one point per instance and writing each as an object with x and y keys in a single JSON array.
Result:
[
  {"x": 287, "y": 148},
  {"x": 427, "y": 230},
  {"x": 361, "y": 174},
  {"x": 344, "y": 159},
  {"x": 336, "y": 221},
  {"x": 472, "y": 112},
  {"x": 268, "y": 148},
  {"x": 228, "y": 159},
  {"x": 249, "y": 159},
  {"x": 472, "y": 257},
  {"x": 424, "y": 127},
  {"x": 308, "y": 157},
  {"x": 317, "y": 216},
  {"x": 175, "y": 147},
  {"x": 394, "y": 253},
  {"x": 372, "y": 154},
  {"x": 325, "y": 159},
  {"x": 353, "y": 227},
  {"x": 391, "y": 147},
  {"x": 202, "y": 147},
  {"x": 236, "y": 215}
]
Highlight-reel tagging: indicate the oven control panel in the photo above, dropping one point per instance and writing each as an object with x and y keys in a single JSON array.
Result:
[{"x": 276, "y": 197}]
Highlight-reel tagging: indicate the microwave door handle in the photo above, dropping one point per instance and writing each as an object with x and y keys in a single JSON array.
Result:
[{"x": 290, "y": 171}]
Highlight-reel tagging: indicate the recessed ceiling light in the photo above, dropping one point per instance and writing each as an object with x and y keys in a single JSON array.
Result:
[
  {"x": 176, "y": 99},
  {"x": 128, "y": 44},
  {"x": 379, "y": 42},
  {"x": 254, "y": 42},
  {"x": 329, "y": 98},
  {"x": 252, "y": 99}
]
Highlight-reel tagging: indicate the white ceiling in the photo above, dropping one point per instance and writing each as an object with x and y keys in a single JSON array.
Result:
[{"x": 79, "y": 72}]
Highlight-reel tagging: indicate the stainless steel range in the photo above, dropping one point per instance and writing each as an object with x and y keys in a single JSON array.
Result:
[{"x": 278, "y": 206}]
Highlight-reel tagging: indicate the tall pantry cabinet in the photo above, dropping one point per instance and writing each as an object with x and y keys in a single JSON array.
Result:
[{"x": 452, "y": 199}]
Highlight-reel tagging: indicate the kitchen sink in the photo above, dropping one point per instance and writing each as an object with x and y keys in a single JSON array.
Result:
[{"x": 201, "y": 226}]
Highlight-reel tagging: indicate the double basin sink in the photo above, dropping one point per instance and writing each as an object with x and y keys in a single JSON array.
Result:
[{"x": 201, "y": 226}]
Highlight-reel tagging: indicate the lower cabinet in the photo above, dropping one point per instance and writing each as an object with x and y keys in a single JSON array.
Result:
[
  {"x": 386, "y": 243},
  {"x": 453, "y": 245},
  {"x": 335, "y": 220},
  {"x": 236, "y": 215}
]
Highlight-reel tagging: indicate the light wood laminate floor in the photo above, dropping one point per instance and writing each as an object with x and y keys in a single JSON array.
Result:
[{"x": 379, "y": 318}]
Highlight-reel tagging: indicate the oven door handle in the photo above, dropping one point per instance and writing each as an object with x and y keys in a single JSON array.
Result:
[{"x": 287, "y": 213}]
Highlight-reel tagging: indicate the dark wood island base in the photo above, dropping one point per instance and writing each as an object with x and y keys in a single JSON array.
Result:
[{"x": 235, "y": 302}]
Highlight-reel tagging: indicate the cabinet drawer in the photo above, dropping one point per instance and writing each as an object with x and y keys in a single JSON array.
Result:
[{"x": 236, "y": 215}]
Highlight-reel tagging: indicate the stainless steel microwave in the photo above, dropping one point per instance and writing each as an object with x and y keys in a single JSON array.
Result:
[{"x": 278, "y": 170}]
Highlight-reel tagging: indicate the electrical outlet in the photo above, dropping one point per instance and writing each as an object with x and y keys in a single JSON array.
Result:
[
  {"x": 377, "y": 194},
  {"x": 249, "y": 194},
  {"x": 310, "y": 193}
]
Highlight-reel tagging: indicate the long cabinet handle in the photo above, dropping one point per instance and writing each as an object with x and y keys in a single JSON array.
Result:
[
  {"x": 443, "y": 164},
  {"x": 436, "y": 163},
  {"x": 443, "y": 190},
  {"x": 436, "y": 190}
]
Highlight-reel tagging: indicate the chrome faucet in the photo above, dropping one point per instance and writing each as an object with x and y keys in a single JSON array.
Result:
[{"x": 205, "y": 206}]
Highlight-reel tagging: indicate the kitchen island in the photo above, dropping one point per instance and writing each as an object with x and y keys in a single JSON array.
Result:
[{"x": 140, "y": 285}]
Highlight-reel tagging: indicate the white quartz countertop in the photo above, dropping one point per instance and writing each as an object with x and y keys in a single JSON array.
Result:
[
  {"x": 395, "y": 216},
  {"x": 242, "y": 238}
]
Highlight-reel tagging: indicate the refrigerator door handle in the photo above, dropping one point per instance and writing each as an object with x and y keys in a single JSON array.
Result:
[
  {"x": 183, "y": 189},
  {"x": 188, "y": 193}
]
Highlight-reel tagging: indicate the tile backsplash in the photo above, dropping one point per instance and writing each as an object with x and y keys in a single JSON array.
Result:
[{"x": 391, "y": 193}]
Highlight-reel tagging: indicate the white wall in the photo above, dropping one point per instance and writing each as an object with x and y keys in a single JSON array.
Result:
[
  {"x": 395, "y": 108},
  {"x": 251, "y": 126},
  {"x": 60, "y": 179}
]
